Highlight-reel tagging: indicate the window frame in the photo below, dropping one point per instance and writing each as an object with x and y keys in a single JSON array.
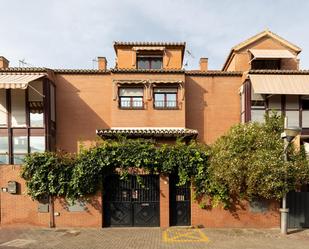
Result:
[
  {"x": 165, "y": 101},
  {"x": 131, "y": 106},
  {"x": 27, "y": 130},
  {"x": 150, "y": 58}
]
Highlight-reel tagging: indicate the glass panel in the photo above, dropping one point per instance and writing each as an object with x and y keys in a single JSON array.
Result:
[
  {"x": 36, "y": 119},
  {"x": 137, "y": 102},
  {"x": 293, "y": 118},
  {"x": 171, "y": 100},
  {"x": 37, "y": 144},
  {"x": 305, "y": 102},
  {"x": 257, "y": 115},
  {"x": 165, "y": 90},
  {"x": 256, "y": 96},
  {"x": 35, "y": 98},
  {"x": 156, "y": 63},
  {"x": 35, "y": 91},
  {"x": 143, "y": 63},
  {"x": 18, "y": 159},
  {"x": 4, "y": 144},
  {"x": 18, "y": 108},
  {"x": 52, "y": 103},
  {"x": 4, "y": 159},
  {"x": 3, "y": 111},
  {"x": 258, "y": 103},
  {"x": 305, "y": 119},
  {"x": 274, "y": 102},
  {"x": 125, "y": 102},
  {"x": 292, "y": 102},
  {"x": 20, "y": 144},
  {"x": 130, "y": 92},
  {"x": 159, "y": 100}
]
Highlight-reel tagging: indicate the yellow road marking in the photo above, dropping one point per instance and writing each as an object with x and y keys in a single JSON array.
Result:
[{"x": 183, "y": 235}]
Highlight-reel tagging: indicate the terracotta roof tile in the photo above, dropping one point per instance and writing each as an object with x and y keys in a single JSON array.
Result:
[
  {"x": 127, "y": 70},
  {"x": 150, "y": 132},
  {"x": 278, "y": 71},
  {"x": 213, "y": 73},
  {"x": 138, "y": 43}
]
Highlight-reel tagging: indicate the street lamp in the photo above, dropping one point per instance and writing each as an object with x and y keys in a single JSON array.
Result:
[{"x": 288, "y": 135}]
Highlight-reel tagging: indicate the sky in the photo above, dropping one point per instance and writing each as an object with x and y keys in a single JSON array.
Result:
[{"x": 72, "y": 33}]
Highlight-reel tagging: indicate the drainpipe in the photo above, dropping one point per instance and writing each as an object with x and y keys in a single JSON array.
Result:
[{"x": 51, "y": 212}]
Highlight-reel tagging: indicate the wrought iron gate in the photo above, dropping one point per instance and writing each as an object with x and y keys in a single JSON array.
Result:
[
  {"x": 180, "y": 203},
  {"x": 298, "y": 204},
  {"x": 130, "y": 203}
]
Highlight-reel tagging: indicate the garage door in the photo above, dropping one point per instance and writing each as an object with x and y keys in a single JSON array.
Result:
[{"x": 131, "y": 203}]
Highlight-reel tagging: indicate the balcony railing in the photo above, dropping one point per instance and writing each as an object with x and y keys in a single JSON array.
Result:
[
  {"x": 131, "y": 104},
  {"x": 168, "y": 104}
]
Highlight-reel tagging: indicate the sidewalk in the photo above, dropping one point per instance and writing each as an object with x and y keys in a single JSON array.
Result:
[{"x": 142, "y": 238}]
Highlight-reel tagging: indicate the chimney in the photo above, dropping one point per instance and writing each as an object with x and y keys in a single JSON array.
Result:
[
  {"x": 102, "y": 63},
  {"x": 204, "y": 64},
  {"x": 4, "y": 63}
]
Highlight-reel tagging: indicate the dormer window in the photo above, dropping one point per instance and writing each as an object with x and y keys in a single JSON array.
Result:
[
  {"x": 131, "y": 98},
  {"x": 272, "y": 64},
  {"x": 149, "y": 61}
]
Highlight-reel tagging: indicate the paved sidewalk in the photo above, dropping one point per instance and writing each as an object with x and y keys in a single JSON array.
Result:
[{"x": 142, "y": 238}]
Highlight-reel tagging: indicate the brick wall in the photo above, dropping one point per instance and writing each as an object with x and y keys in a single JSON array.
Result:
[{"x": 164, "y": 202}]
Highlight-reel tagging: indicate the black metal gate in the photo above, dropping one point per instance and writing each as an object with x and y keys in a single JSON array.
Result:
[
  {"x": 180, "y": 203},
  {"x": 129, "y": 203},
  {"x": 298, "y": 204}
]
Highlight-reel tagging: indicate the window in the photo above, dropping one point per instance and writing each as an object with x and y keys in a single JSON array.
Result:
[
  {"x": 149, "y": 61},
  {"x": 266, "y": 64},
  {"x": 35, "y": 102},
  {"x": 20, "y": 148},
  {"x": 4, "y": 149},
  {"x": 18, "y": 108},
  {"x": 131, "y": 98},
  {"x": 37, "y": 144},
  {"x": 257, "y": 108},
  {"x": 3, "y": 109},
  {"x": 305, "y": 111},
  {"x": 292, "y": 109},
  {"x": 165, "y": 98}
]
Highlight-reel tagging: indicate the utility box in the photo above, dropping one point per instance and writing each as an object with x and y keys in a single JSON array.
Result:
[{"x": 12, "y": 187}]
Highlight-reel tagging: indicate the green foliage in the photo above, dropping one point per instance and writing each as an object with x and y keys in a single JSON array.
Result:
[
  {"x": 48, "y": 173},
  {"x": 248, "y": 163},
  {"x": 245, "y": 163}
]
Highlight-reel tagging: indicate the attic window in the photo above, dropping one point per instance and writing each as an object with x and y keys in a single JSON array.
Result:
[
  {"x": 149, "y": 61},
  {"x": 273, "y": 64}
]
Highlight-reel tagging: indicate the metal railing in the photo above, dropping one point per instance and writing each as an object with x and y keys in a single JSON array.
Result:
[{"x": 168, "y": 104}]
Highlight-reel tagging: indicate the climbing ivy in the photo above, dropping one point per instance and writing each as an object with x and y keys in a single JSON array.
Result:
[
  {"x": 83, "y": 175},
  {"x": 247, "y": 162}
]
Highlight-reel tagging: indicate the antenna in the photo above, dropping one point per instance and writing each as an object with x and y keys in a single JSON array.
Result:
[{"x": 23, "y": 63}]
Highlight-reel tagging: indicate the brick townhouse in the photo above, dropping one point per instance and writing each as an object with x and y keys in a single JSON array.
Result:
[{"x": 146, "y": 94}]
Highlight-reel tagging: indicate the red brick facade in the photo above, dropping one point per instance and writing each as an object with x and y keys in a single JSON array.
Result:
[{"x": 86, "y": 101}]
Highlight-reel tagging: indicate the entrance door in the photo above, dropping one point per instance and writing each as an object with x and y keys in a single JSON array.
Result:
[
  {"x": 130, "y": 203},
  {"x": 180, "y": 203},
  {"x": 298, "y": 204}
]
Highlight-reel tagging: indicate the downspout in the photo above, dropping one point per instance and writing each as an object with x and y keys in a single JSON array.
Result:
[{"x": 51, "y": 212}]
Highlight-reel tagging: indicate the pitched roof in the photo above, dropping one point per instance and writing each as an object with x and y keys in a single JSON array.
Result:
[
  {"x": 257, "y": 37},
  {"x": 270, "y": 34},
  {"x": 265, "y": 71}
]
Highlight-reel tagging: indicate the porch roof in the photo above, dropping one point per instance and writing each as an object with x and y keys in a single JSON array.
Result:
[
  {"x": 147, "y": 132},
  {"x": 20, "y": 80}
]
